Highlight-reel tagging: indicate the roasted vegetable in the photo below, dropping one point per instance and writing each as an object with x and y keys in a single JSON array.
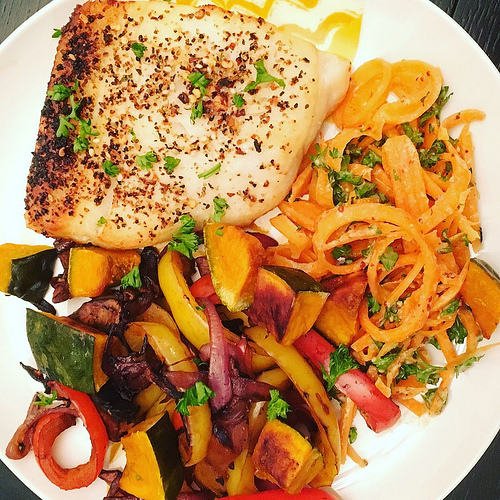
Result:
[
  {"x": 285, "y": 458},
  {"x": 194, "y": 438},
  {"x": 314, "y": 394},
  {"x": 481, "y": 292},
  {"x": 287, "y": 302},
  {"x": 92, "y": 269},
  {"x": 154, "y": 468},
  {"x": 66, "y": 351},
  {"x": 234, "y": 257},
  {"x": 338, "y": 319},
  {"x": 26, "y": 270}
]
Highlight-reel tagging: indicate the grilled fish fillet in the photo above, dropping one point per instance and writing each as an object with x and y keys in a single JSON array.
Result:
[{"x": 163, "y": 119}]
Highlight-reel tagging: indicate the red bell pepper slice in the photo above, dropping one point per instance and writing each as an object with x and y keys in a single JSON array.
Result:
[
  {"x": 52, "y": 424},
  {"x": 305, "y": 494},
  {"x": 379, "y": 412},
  {"x": 204, "y": 288}
]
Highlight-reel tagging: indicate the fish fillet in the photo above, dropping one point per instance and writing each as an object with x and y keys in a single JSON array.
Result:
[{"x": 164, "y": 121}]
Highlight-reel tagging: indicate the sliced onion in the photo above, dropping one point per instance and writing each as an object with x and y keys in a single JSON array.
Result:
[{"x": 219, "y": 379}]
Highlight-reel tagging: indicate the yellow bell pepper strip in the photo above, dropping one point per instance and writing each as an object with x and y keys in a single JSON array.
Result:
[
  {"x": 170, "y": 349},
  {"x": 311, "y": 388}
]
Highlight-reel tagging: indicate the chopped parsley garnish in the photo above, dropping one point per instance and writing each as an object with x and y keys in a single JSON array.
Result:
[
  {"x": 366, "y": 251},
  {"x": 365, "y": 189},
  {"x": 263, "y": 77},
  {"x": 64, "y": 127},
  {"x": 436, "y": 108},
  {"x": 414, "y": 135},
  {"x": 138, "y": 49},
  {"x": 425, "y": 373},
  {"x": 81, "y": 144},
  {"x": 201, "y": 82},
  {"x": 185, "y": 240},
  {"x": 318, "y": 160},
  {"x": 220, "y": 205},
  {"x": 132, "y": 279},
  {"x": 457, "y": 332},
  {"x": 101, "y": 221},
  {"x": 465, "y": 365},
  {"x": 341, "y": 362},
  {"x": 389, "y": 258},
  {"x": 353, "y": 434},
  {"x": 371, "y": 159},
  {"x": 110, "y": 168},
  {"x": 170, "y": 163},
  {"x": 373, "y": 305},
  {"x": 428, "y": 397},
  {"x": 277, "y": 407},
  {"x": 146, "y": 161},
  {"x": 196, "y": 395},
  {"x": 391, "y": 314},
  {"x": 220, "y": 231},
  {"x": 238, "y": 101},
  {"x": 343, "y": 254},
  {"x": 451, "y": 308},
  {"x": 383, "y": 363},
  {"x": 211, "y": 171},
  {"x": 429, "y": 157},
  {"x": 57, "y": 33},
  {"x": 45, "y": 399},
  {"x": 134, "y": 137},
  {"x": 59, "y": 92}
]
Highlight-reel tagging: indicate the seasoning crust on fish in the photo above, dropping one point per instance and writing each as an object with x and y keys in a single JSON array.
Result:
[{"x": 169, "y": 107}]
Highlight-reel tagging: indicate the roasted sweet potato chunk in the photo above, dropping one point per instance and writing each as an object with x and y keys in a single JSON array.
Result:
[
  {"x": 284, "y": 457},
  {"x": 234, "y": 257},
  {"x": 339, "y": 317}
]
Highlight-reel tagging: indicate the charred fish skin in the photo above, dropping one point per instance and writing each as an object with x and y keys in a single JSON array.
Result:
[{"x": 167, "y": 108}]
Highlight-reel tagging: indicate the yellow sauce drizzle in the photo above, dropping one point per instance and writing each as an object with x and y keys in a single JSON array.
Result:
[{"x": 344, "y": 27}]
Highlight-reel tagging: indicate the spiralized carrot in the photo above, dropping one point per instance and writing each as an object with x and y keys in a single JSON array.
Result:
[{"x": 393, "y": 194}]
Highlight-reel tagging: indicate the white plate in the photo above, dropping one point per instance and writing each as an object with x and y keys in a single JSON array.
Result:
[{"x": 418, "y": 459}]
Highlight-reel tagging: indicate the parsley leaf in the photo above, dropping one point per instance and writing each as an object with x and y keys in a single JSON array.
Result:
[
  {"x": 185, "y": 240},
  {"x": 238, "y": 101},
  {"x": 429, "y": 157},
  {"x": 211, "y": 171},
  {"x": 318, "y": 160},
  {"x": 277, "y": 407},
  {"x": 383, "y": 363},
  {"x": 353, "y": 434},
  {"x": 389, "y": 258},
  {"x": 134, "y": 137},
  {"x": 110, "y": 168},
  {"x": 465, "y": 365},
  {"x": 200, "y": 81},
  {"x": 170, "y": 163},
  {"x": 371, "y": 159},
  {"x": 457, "y": 332},
  {"x": 366, "y": 189},
  {"x": 81, "y": 144},
  {"x": 138, "y": 49},
  {"x": 414, "y": 135},
  {"x": 340, "y": 362},
  {"x": 45, "y": 399},
  {"x": 59, "y": 92},
  {"x": 373, "y": 305},
  {"x": 64, "y": 127},
  {"x": 146, "y": 161},
  {"x": 132, "y": 279},
  {"x": 220, "y": 205},
  {"x": 101, "y": 221},
  {"x": 451, "y": 308},
  {"x": 57, "y": 33},
  {"x": 425, "y": 373},
  {"x": 436, "y": 108},
  {"x": 342, "y": 254},
  {"x": 262, "y": 77},
  {"x": 196, "y": 395}
]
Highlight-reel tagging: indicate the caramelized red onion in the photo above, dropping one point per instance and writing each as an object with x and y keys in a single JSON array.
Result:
[{"x": 218, "y": 373}]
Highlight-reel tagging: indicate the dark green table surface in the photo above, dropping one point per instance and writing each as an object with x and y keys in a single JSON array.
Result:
[{"x": 481, "y": 18}]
